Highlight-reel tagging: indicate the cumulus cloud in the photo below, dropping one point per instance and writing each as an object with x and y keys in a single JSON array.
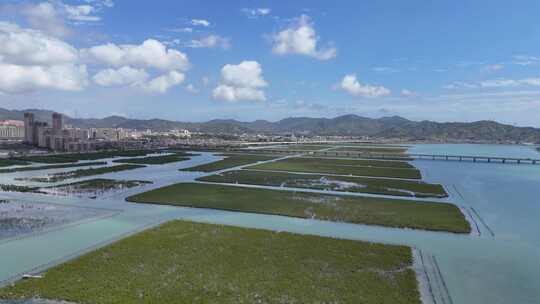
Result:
[
  {"x": 22, "y": 79},
  {"x": 52, "y": 17},
  {"x": 351, "y": 85},
  {"x": 150, "y": 54},
  {"x": 254, "y": 13},
  {"x": 210, "y": 41},
  {"x": 31, "y": 60},
  {"x": 200, "y": 22},
  {"x": 120, "y": 77},
  {"x": 31, "y": 47},
  {"x": 241, "y": 82},
  {"x": 45, "y": 17},
  {"x": 301, "y": 38},
  {"x": 163, "y": 83}
]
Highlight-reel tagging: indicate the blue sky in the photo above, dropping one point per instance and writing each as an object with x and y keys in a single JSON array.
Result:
[{"x": 247, "y": 60}]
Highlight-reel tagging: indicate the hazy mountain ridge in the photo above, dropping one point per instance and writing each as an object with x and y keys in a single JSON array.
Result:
[{"x": 354, "y": 125}]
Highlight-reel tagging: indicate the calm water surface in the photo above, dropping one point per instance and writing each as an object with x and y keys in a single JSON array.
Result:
[{"x": 502, "y": 265}]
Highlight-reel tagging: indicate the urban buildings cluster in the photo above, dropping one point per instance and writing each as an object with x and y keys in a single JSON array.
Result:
[
  {"x": 56, "y": 137},
  {"x": 11, "y": 129}
]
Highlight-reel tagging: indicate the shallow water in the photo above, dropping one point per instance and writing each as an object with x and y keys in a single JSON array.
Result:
[{"x": 502, "y": 265}]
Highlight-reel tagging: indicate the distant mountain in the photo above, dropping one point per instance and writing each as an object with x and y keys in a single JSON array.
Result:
[{"x": 348, "y": 125}]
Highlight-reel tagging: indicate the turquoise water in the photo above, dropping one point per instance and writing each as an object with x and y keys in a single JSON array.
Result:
[{"x": 502, "y": 265}]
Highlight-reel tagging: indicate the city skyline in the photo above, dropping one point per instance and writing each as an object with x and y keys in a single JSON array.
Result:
[{"x": 250, "y": 60}]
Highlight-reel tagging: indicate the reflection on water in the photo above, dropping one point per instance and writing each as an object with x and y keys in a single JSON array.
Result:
[{"x": 497, "y": 267}]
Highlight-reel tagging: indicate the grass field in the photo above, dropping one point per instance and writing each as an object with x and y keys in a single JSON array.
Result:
[
  {"x": 313, "y": 147},
  {"x": 47, "y": 167},
  {"x": 185, "y": 262},
  {"x": 56, "y": 177},
  {"x": 156, "y": 160},
  {"x": 335, "y": 183},
  {"x": 100, "y": 184},
  {"x": 12, "y": 162},
  {"x": 74, "y": 157},
  {"x": 374, "y": 168},
  {"x": 230, "y": 161},
  {"x": 361, "y": 210},
  {"x": 372, "y": 149}
]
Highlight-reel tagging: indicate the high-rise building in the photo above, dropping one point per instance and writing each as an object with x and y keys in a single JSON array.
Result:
[
  {"x": 57, "y": 123},
  {"x": 29, "y": 128}
]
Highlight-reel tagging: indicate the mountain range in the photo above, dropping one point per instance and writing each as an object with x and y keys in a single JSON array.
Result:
[{"x": 346, "y": 125}]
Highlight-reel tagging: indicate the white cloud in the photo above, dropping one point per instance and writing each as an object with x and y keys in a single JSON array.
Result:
[
  {"x": 245, "y": 74},
  {"x": 408, "y": 93},
  {"x": 150, "y": 54},
  {"x": 254, "y": 13},
  {"x": 233, "y": 94},
  {"x": 350, "y": 84},
  {"x": 241, "y": 82},
  {"x": 525, "y": 60},
  {"x": 495, "y": 83},
  {"x": 120, "y": 77},
  {"x": 301, "y": 38},
  {"x": 31, "y": 47},
  {"x": 22, "y": 79},
  {"x": 210, "y": 41},
  {"x": 192, "y": 89},
  {"x": 205, "y": 81},
  {"x": 45, "y": 17},
  {"x": 101, "y": 3},
  {"x": 182, "y": 30},
  {"x": 81, "y": 13},
  {"x": 200, "y": 22},
  {"x": 163, "y": 83},
  {"x": 31, "y": 60}
]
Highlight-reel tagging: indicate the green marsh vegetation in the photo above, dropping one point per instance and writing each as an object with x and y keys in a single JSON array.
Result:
[
  {"x": 55, "y": 177},
  {"x": 75, "y": 157},
  {"x": 230, "y": 161},
  {"x": 376, "y": 168},
  {"x": 156, "y": 160},
  {"x": 101, "y": 184},
  {"x": 353, "y": 209},
  {"x": 372, "y": 149},
  {"x": 47, "y": 167},
  {"x": 336, "y": 183},
  {"x": 185, "y": 262},
  {"x": 6, "y": 162}
]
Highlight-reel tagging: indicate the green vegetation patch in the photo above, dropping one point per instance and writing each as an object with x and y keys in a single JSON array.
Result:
[
  {"x": 93, "y": 186},
  {"x": 185, "y": 262},
  {"x": 230, "y": 161},
  {"x": 375, "y": 168},
  {"x": 156, "y": 160},
  {"x": 352, "y": 209},
  {"x": 16, "y": 188},
  {"x": 75, "y": 157},
  {"x": 313, "y": 147},
  {"x": 335, "y": 183},
  {"x": 372, "y": 149},
  {"x": 56, "y": 177},
  {"x": 48, "y": 167},
  {"x": 12, "y": 162}
]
